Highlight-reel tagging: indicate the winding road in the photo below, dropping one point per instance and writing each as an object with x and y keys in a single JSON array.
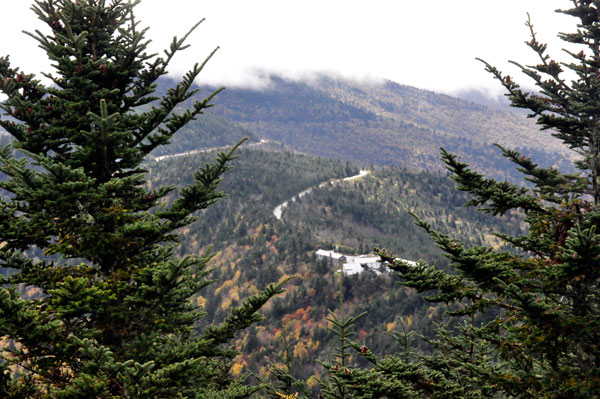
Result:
[
  {"x": 277, "y": 212},
  {"x": 183, "y": 154}
]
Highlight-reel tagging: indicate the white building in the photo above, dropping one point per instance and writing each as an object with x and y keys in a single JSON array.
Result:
[
  {"x": 352, "y": 268},
  {"x": 334, "y": 258},
  {"x": 354, "y": 264}
]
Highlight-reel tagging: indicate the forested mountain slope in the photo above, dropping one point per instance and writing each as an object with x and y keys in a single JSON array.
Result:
[{"x": 253, "y": 248}]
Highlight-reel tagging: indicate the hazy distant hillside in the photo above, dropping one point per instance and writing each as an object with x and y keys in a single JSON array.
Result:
[
  {"x": 383, "y": 123},
  {"x": 479, "y": 96}
]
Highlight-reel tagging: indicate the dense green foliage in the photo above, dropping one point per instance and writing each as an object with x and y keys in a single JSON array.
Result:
[{"x": 95, "y": 303}]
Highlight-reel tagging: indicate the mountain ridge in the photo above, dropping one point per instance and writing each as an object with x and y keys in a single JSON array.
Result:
[{"x": 384, "y": 123}]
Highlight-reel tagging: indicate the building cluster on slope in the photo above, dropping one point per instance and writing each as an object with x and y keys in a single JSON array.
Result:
[{"x": 355, "y": 264}]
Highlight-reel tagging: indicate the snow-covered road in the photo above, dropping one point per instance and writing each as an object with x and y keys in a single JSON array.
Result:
[
  {"x": 222, "y": 148},
  {"x": 277, "y": 212}
]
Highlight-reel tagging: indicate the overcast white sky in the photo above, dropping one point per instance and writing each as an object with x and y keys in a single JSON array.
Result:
[{"x": 428, "y": 44}]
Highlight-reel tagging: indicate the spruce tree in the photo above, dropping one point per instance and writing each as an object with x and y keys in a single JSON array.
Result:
[
  {"x": 342, "y": 326},
  {"x": 526, "y": 320},
  {"x": 93, "y": 301}
]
